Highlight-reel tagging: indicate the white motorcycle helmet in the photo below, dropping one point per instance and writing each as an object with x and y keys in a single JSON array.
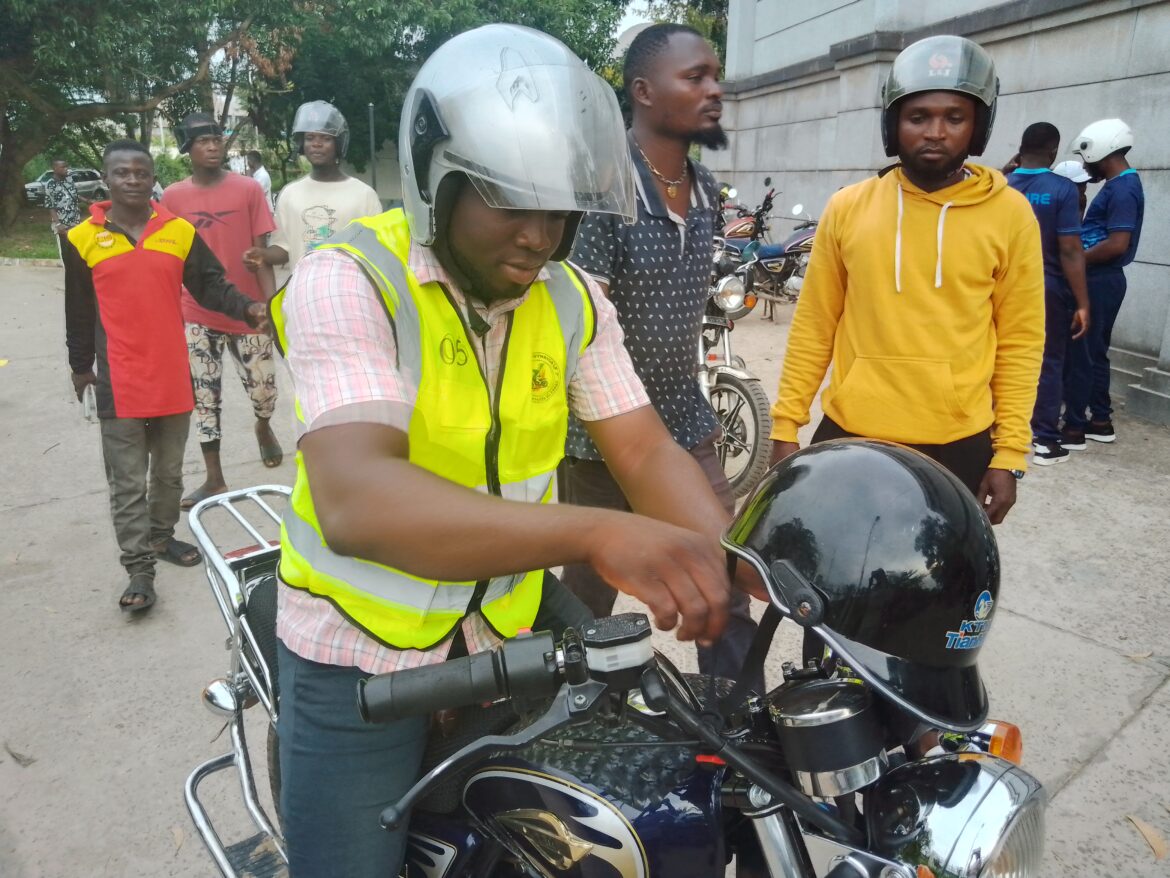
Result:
[
  {"x": 320, "y": 117},
  {"x": 523, "y": 118},
  {"x": 1101, "y": 139},
  {"x": 1072, "y": 170}
]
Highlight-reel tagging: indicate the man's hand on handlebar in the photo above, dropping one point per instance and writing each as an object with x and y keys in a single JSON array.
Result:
[{"x": 673, "y": 571}]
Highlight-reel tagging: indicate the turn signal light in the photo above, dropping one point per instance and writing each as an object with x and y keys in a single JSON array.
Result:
[
  {"x": 1006, "y": 741},
  {"x": 750, "y": 301}
]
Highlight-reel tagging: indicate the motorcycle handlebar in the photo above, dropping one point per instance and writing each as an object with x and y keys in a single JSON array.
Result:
[{"x": 525, "y": 666}]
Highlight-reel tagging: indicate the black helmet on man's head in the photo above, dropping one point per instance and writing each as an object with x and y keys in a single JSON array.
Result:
[
  {"x": 944, "y": 63},
  {"x": 197, "y": 125},
  {"x": 890, "y": 559},
  {"x": 320, "y": 117}
]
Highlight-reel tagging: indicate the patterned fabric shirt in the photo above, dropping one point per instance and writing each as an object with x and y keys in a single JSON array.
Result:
[
  {"x": 61, "y": 195},
  {"x": 342, "y": 358},
  {"x": 659, "y": 276}
]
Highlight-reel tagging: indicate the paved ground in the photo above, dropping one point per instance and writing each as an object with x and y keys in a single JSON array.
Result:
[{"x": 101, "y": 720}]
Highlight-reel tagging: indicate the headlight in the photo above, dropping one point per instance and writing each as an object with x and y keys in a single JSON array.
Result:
[
  {"x": 965, "y": 815},
  {"x": 729, "y": 293}
]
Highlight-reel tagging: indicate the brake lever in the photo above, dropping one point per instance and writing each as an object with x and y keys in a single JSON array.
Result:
[{"x": 573, "y": 704}]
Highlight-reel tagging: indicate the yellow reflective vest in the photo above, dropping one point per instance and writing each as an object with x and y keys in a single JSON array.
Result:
[{"x": 508, "y": 444}]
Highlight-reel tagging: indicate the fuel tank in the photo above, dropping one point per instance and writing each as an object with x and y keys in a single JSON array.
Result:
[{"x": 605, "y": 801}]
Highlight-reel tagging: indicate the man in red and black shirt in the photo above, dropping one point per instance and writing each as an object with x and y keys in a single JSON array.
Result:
[{"x": 131, "y": 260}]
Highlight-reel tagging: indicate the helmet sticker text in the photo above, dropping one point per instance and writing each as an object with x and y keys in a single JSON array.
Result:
[{"x": 972, "y": 632}]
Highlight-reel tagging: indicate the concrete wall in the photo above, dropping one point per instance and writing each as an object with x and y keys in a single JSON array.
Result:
[{"x": 802, "y": 106}]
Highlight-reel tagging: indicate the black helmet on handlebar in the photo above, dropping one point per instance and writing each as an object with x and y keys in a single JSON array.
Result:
[
  {"x": 890, "y": 559},
  {"x": 943, "y": 63}
]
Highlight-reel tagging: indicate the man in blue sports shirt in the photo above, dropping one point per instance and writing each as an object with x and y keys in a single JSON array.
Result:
[
  {"x": 1111, "y": 229},
  {"x": 1055, "y": 201}
]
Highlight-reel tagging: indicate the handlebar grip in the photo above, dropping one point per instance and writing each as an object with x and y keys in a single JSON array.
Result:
[{"x": 525, "y": 666}]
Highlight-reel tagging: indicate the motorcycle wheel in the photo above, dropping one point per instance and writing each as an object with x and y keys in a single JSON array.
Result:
[{"x": 744, "y": 449}]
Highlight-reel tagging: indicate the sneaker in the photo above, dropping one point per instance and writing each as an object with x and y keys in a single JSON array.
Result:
[
  {"x": 1072, "y": 439},
  {"x": 1100, "y": 432},
  {"x": 1048, "y": 453}
]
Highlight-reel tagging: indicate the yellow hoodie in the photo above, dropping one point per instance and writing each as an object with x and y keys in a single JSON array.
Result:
[{"x": 930, "y": 306}]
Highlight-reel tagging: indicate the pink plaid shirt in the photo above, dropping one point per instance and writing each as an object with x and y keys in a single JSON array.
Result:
[{"x": 342, "y": 359}]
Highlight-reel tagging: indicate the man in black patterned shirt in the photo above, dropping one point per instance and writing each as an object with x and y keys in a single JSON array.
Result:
[
  {"x": 657, "y": 273},
  {"x": 60, "y": 196}
]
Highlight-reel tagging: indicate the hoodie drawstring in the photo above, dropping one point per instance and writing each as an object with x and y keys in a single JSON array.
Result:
[
  {"x": 942, "y": 216},
  {"x": 898, "y": 246}
]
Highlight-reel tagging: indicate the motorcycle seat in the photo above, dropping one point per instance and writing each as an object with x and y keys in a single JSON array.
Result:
[{"x": 771, "y": 251}]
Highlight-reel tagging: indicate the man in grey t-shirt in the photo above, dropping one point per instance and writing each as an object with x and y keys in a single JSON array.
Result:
[{"x": 657, "y": 273}]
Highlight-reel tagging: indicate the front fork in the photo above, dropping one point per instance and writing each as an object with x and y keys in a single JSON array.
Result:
[{"x": 708, "y": 374}]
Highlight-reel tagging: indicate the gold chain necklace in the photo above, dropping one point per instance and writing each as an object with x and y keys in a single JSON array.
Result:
[{"x": 671, "y": 185}]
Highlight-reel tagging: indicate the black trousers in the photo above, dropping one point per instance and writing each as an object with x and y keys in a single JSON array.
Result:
[{"x": 967, "y": 458}]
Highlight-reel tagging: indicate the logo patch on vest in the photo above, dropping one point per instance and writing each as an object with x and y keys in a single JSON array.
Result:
[
  {"x": 546, "y": 377},
  {"x": 104, "y": 238}
]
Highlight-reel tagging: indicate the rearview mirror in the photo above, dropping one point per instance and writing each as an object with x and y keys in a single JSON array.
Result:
[
  {"x": 767, "y": 181},
  {"x": 732, "y": 193},
  {"x": 797, "y": 209}
]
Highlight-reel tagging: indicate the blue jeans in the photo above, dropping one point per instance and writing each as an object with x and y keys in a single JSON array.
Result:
[
  {"x": 338, "y": 773},
  {"x": 1086, "y": 365},
  {"x": 1059, "y": 306}
]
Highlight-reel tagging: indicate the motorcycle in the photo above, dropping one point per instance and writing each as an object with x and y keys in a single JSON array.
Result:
[
  {"x": 599, "y": 758},
  {"x": 777, "y": 270},
  {"x": 741, "y": 406}
]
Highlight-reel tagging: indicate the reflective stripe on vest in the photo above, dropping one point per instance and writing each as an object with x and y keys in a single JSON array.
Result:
[{"x": 508, "y": 446}]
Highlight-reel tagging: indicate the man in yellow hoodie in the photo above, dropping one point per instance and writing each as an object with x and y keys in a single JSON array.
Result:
[{"x": 925, "y": 290}]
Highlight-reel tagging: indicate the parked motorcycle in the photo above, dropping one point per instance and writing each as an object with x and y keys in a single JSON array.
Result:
[
  {"x": 741, "y": 406},
  {"x": 598, "y": 758},
  {"x": 777, "y": 270}
]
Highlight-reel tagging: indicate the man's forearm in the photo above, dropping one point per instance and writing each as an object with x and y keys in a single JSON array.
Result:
[
  {"x": 414, "y": 532},
  {"x": 1072, "y": 263},
  {"x": 669, "y": 485}
]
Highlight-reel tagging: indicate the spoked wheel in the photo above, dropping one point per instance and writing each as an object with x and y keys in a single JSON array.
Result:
[{"x": 741, "y": 406}]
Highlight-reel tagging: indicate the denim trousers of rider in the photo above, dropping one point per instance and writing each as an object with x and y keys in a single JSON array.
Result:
[
  {"x": 339, "y": 773},
  {"x": 1059, "y": 306},
  {"x": 1086, "y": 365}
]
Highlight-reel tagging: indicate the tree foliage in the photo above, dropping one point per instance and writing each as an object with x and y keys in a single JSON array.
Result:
[
  {"x": 65, "y": 67},
  {"x": 354, "y": 57},
  {"x": 708, "y": 17},
  {"x": 72, "y": 76}
]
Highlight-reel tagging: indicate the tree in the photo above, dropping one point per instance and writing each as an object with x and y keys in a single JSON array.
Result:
[
  {"x": 65, "y": 66},
  {"x": 708, "y": 17},
  {"x": 366, "y": 57}
]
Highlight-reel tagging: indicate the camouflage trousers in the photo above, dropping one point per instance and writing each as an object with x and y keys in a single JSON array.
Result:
[{"x": 252, "y": 354}]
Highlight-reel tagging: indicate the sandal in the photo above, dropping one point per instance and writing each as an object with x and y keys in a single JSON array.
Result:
[
  {"x": 198, "y": 495},
  {"x": 141, "y": 585},
  {"x": 177, "y": 552},
  {"x": 271, "y": 453}
]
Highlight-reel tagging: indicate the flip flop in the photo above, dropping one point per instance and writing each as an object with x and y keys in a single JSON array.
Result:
[
  {"x": 195, "y": 496},
  {"x": 177, "y": 552},
  {"x": 271, "y": 453},
  {"x": 141, "y": 585}
]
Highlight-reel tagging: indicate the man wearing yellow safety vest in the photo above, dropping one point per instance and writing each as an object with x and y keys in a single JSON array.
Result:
[{"x": 437, "y": 352}]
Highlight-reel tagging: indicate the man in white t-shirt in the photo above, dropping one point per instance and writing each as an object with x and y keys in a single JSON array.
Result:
[
  {"x": 259, "y": 173},
  {"x": 315, "y": 207}
]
